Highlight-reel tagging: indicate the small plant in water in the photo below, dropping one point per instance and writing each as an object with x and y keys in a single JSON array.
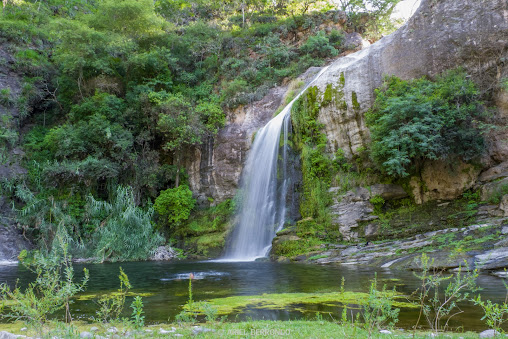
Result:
[
  {"x": 378, "y": 311},
  {"x": 111, "y": 306},
  {"x": 187, "y": 315},
  {"x": 495, "y": 315},
  {"x": 438, "y": 306}
]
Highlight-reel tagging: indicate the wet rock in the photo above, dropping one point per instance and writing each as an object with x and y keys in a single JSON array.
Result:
[
  {"x": 496, "y": 258},
  {"x": 350, "y": 209},
  {"x": 500, "y": 274},
  {"x": 112, "y": 330},
  {"x": 503, "y": 205}
]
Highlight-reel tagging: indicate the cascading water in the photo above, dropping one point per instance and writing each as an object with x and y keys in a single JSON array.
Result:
[{"x": 262, "y": 210}]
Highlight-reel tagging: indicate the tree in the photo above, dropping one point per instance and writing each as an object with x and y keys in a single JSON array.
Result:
[
  {"x": 184, "y": 125},
  {"x": 372, "y": 17}
]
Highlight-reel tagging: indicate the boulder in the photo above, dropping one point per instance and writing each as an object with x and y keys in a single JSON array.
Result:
[
  {"x": 494, "y": 173},
  {"x": 442, "y": 180},
  {"x": 388, "y": 191},
  {"x": 491, "y": 189},
  {"x": 7, "y": 335}
]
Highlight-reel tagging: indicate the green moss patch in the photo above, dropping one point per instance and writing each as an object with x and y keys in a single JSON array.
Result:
[{"x": 281, "y": 301}]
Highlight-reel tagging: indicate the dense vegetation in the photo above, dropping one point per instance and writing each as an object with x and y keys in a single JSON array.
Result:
[
  {"x": 115, "y": 94},
  {"x": 414, "y": 121}
]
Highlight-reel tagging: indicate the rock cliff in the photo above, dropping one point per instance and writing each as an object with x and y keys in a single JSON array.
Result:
[{"x": 441, "y": 35}]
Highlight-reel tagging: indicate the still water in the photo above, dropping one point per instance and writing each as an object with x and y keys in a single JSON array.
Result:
[{"x": 167, "y": 282}]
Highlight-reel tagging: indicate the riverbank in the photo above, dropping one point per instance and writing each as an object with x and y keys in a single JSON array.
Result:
[
  {"x": 484, "y": 246},
  {"x": 248, "y": 329}
]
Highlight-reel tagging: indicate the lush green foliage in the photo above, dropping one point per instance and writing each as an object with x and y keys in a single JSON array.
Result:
[
  {"x": 123, "y": 230},
  {"x": 419, "y": 120},
  {"x": 119, "y": 93},
  {"x": 51, "y": 290},
  {"x": 174, "y": 205},
  {"x": 317, "y": 166}
]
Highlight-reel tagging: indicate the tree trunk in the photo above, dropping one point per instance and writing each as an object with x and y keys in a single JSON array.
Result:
[{"x": 177, "y": 179}]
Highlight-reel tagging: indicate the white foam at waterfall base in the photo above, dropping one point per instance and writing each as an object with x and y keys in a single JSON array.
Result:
[
  {"x": 262, "y": 209},
  {"x": 8, "y": 262}
]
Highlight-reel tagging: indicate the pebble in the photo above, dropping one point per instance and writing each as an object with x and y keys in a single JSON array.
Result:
[
  {"x": 385, "y": 332},
  {"x": 163, "y": 331},
  {"x": 199, "y": 329},
  {"x": 94, "y": 329},
  {"x": 85, "y": 335},
  {"x": 112, "y": 330},
  {"x": 24, "y": 329}
]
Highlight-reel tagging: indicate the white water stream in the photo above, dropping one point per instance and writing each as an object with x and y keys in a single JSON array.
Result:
[{"x": 262, "y": 209}]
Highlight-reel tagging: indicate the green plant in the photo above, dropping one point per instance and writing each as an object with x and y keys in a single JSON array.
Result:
[
  {"x": 5, "y": 96},
  {"x": 438, "y": 306},
  {"x": 111, "y": 306},
  {"x": 189, "y": 312},
  {"x": 138, "y": 319},
  {"x": 418, "y": 120},
  {"x": 211, "y": 313},
  {"x": 378, "y": 203},
  {"x": 52, "y": 289},
  {"x": 378, "y": 311},
  {"x": 319, "y": 46},
  {"x": 124, "y": 231},
  {"x": 174, "y": 205},
  {"x": 495, "y": 314}
]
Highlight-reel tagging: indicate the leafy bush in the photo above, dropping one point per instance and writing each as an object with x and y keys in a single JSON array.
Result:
[
  {"x": 418, "y": 120},
  {"x": 174, "y": 205},
  {"x": 319, "y": 46}
]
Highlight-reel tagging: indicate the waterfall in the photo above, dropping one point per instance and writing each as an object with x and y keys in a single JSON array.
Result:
[{"x": 263, "y": 190}]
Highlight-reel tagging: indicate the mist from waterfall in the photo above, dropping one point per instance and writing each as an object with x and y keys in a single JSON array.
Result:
[{"x": 264, "y": 184}]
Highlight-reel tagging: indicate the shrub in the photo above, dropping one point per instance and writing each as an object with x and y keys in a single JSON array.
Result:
[
  {"x": 419, "y": 120},
  {"x": 174, "y": 205},
  {"x": 318, "y": 46},
  {"x": 124, "y": 231}
]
